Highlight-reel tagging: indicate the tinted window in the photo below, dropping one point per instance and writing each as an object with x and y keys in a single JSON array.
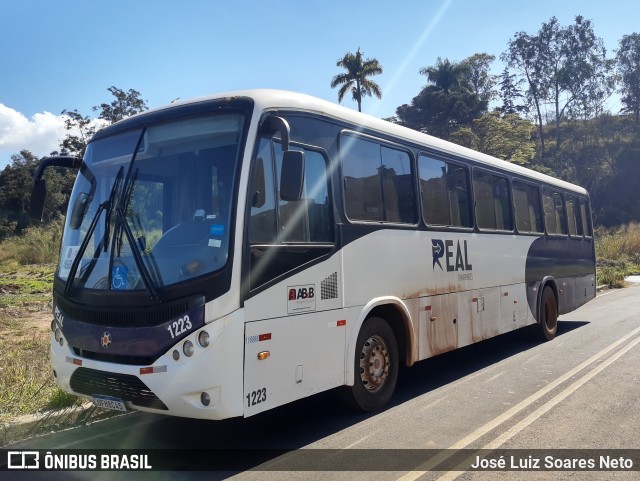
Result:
[
  {"x": 585, "y": 217},
  {"x": 573, "y": 212},
  {"x": 444, "y": 188},
  {"x": 554, "y": 213},
  {"x": 306, "y": 220},
  {"x": 528, "y": 211},
  {"x": 378, "y": 182},
  {"x": 493, "y": 203}
]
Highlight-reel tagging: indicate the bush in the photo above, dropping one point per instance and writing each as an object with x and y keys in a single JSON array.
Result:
[
  {"x": 617, "y": 254},
  {"x": 36, "y": 245}
]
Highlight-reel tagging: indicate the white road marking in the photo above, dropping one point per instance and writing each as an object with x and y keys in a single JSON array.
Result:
[
  {"x": 481, "y": 431},
  {"x": 526, "y": 422},
  {"x": 495, "y": 377}
]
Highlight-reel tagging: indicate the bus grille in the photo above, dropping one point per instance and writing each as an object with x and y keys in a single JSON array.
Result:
[{"x": 124, "y": 386}]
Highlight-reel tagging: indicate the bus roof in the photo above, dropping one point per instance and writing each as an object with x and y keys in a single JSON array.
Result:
[{"x": 266, "y": 99}]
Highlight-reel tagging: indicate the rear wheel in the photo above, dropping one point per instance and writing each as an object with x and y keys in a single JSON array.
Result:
[
  {"x": 547, "y": 325},
  {"x": 376, "y": 367}
]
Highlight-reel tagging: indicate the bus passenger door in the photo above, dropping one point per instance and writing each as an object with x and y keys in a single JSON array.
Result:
[{"x": 294, "y": 336}]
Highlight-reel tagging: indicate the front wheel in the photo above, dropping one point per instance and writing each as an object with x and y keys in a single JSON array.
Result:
[{"x": 376, "y": 367}]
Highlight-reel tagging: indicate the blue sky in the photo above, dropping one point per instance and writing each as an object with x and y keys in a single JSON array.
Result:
[{"x": 57, "y": 54}]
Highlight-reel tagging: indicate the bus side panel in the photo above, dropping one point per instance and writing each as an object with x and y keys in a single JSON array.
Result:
[
  {"x": 298, "y": 328},
  {"x": 514, "y": 310},
  {"x": 305, "y": 356},
  {"x": 570, "y": 262}
]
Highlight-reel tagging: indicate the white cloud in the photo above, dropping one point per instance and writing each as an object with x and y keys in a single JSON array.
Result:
[{"x": 41, "y": 134}]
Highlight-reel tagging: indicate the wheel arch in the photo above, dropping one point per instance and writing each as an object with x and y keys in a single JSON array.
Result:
[
  {"x": 553, "y": 284},
  {"x": 396, "y": 314}
]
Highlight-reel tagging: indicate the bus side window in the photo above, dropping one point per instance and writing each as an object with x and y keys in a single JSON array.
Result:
[
  {"x": 262, "y": 225},
  {"x": 528, "y": 211},
  {"x": 554, "y": 213},
  {"x": 574, "y": 224},
  {"x": 280, "y": 231},
  {"x": 445, "y": 195},
  {"x": 493, "y": 203},
  {"x": 378, "y": 181},
  {"x": 585, "y": 217}
]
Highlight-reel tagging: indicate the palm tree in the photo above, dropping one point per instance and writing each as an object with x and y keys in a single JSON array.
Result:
[
  {"x": 355, "y": 78},
  {"x": 445, "y": 75}
]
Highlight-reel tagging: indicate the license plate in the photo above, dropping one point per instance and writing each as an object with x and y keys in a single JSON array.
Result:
[{"x": 109, "y": 402}]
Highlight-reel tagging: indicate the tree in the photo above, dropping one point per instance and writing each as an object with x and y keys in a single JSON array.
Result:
[
  {"x": 507, "y": 137},
  {"x": 563, "y": 67},
  {"x": 125, "y": 105},
  {"x": 83, "y": 127},
  {"x": 456, "y": 94},
  {"x": 628, "y": 66},
  {"x": 477, "y": 77},
  {"x": 510, "y": 94},
  {"x": 355, "y": 79}
]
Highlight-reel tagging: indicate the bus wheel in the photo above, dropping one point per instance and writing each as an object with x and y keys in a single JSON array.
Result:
[
  {"x": 376, "y": 366},
  {"x": 547, "y": 325}
]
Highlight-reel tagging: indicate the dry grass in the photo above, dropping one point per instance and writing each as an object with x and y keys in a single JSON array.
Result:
[
  {"x": 26, "y": 382},
  {"x": 617, "y": 254}
]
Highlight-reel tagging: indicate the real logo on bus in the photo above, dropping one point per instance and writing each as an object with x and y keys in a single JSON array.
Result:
[
  {"x": 301, "y": 299},
  {"x": 446, "y": 250}
]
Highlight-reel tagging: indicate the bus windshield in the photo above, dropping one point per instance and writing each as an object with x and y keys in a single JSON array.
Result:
[{"x": 151, "y": 207}]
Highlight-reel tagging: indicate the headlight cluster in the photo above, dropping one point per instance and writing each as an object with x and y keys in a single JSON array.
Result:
[
  {"x": 57, "y": 332},
  {"x": 189, "y": 349}
]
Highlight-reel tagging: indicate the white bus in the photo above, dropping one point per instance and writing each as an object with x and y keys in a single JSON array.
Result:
[{"x": 226, "y": 255}]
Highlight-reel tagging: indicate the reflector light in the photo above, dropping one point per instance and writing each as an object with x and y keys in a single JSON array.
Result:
[
  {"x": 263, "y": 355},
  {"x": 342, "y": 323},
  {"x": 73, "y": 360},
  {"x": 153, "y": 369},
  {"x": 264, "y": 337}
]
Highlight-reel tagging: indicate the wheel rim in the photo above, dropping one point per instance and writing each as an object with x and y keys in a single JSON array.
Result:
[{"x": 374, "y": 363}]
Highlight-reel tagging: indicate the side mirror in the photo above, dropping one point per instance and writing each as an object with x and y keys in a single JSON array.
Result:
[
  {"x": 38, "y": 194},
  {"x": 292, "y": 175},
  {"x": 79, "y": 210}
]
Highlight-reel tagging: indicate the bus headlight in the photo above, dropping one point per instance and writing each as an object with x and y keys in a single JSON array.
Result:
[
  {"x": 57, "y": 335},
  {"x": 204, "y": 339},
  {"x": 188, "y": 348}
]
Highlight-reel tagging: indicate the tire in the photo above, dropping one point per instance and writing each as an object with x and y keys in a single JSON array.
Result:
[
  {"x": 547, "y": 325},
  {"x": 375, "y": 366}
]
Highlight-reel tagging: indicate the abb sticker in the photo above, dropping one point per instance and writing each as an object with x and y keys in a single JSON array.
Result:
[{"x": 301, "y": 299}]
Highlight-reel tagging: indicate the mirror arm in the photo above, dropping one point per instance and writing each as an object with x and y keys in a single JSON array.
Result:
[
  {"x": 272, "y": 124},
  {"x": 61, "y": 161}
]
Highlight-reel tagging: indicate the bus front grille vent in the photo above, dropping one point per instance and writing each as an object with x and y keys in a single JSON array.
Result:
[
  {"x": 127, "y": 317},
  {"x": 124, "y": 386},
  {"x": 329, "y": 287}
]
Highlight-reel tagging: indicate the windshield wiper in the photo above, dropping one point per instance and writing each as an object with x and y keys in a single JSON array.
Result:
[
  {"x": 137, "y": 256},
  {"x": 110, "y": 206},
  {"x": 83, "y": 247}
]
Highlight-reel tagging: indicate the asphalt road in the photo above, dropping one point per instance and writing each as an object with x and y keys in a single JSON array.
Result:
[{"x": 580, "y": 391}]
